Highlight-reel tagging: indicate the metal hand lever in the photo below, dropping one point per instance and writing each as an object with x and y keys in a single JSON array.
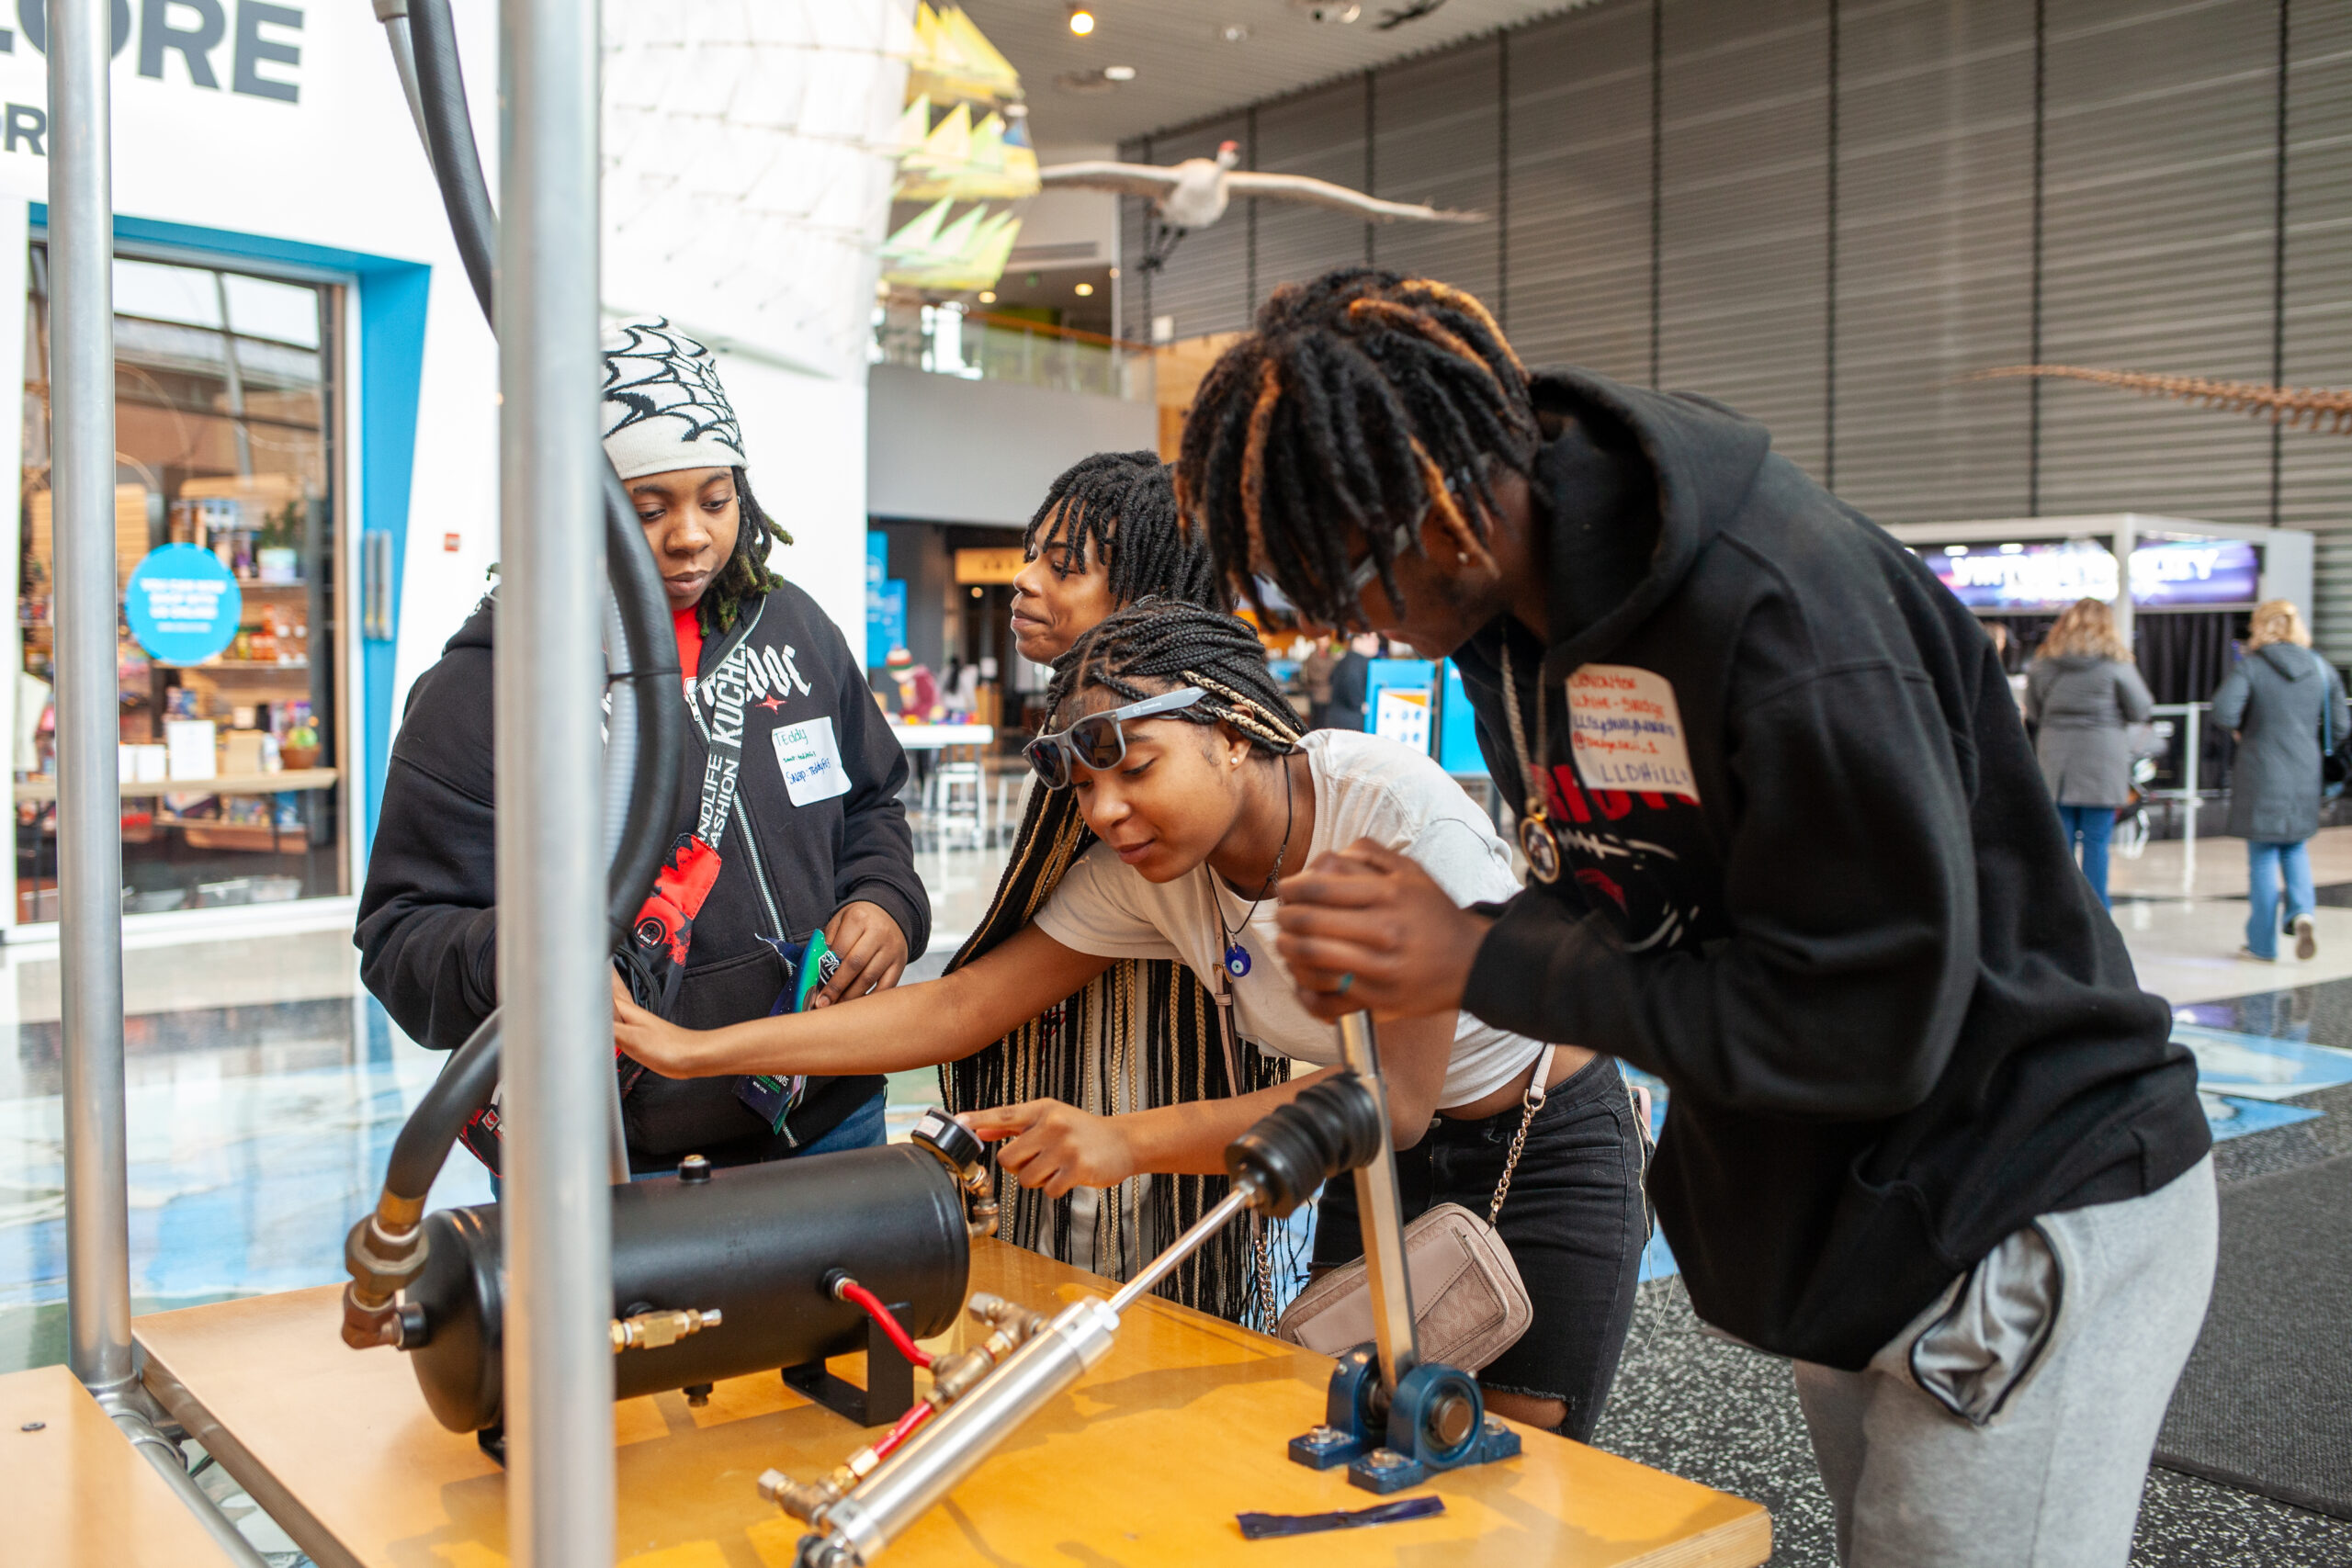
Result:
[{"x": 1381, "y": 1215}]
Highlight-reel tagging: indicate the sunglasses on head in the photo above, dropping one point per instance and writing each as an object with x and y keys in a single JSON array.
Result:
[{"x": 1096, "y": 741}]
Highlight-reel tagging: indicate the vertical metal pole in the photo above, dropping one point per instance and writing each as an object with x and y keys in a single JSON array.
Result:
[
  {"x": 89, "y": 807},
  {"x": 551, "y": 937},
  {"x": 1380, "y": 1213},
  {"x": 2196, "y": 743}
]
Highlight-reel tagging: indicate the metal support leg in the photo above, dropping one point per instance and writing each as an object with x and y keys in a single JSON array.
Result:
[
  {"x": 89, "y": 808},
  {"x": 551, "y": 942}
]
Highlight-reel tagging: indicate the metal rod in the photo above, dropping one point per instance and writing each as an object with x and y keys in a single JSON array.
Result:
[
  {"x": 1381, "y": 1215},
  {"x": 1184, "y": 1245},
  {"x": 89, "y": 810},
  {"x": 171, "y": 1465},
  {"x": 552, "y": 940},
  {"x": 2195, "y": 742}
]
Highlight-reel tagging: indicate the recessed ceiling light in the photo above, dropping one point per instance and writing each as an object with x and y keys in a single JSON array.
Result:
[
  {"x": 1118, "y": 73},
  {"x": 988, "y": 295},
  {"x": 1083, "y": 290},
  {"x": 1016, "y": 111},
  {"x": 1114, "y": 272},
  {"x": 1234, "y": 32},
  {"x": 1081, "y": 20}
]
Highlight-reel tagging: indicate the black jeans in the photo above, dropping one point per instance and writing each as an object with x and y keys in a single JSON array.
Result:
[{"x": 1574, "y": 1221}]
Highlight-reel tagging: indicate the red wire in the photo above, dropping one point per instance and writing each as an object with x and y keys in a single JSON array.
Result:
[
  {"x": 903, "y": 1430},
  {"x": 851, "y": 1291}
]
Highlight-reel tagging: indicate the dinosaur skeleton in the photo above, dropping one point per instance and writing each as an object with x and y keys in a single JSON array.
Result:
[{"x": 2315, "y": 408}]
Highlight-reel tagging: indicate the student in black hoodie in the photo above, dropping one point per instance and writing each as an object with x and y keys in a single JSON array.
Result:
[
  {"x": 811, "y": 835},
  {"x": 1792, "y": 853}
]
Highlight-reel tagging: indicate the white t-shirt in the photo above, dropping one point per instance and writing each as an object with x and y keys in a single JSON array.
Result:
[{"x": 1364, "y": 788}]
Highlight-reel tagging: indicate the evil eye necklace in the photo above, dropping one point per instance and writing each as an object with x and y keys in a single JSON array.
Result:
[
  {"x": 1535, "y": 839},
  {"x": 1237, "y": 957}
]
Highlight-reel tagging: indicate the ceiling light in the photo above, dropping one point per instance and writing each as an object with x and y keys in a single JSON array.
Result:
[
  {"x": 1118, "y": 73},
  {"x": 1016, "y": 111},
  {"x": 1234, "y": 32},
  {"x": 988, "y": 295},
  {"x": 1114, "y": 272},
  {"x": 1084, "y": 289},
  {"x": 1081, "y": 20}
]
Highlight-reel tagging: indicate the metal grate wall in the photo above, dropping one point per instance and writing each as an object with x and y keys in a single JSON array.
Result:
[{"x": 1829, "y": 212}]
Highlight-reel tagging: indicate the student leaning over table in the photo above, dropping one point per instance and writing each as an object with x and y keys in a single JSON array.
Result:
[
  {"x": 1927, "y": 1136},
  {"x": 810, "y": 836},
  {"x": 1191, "y": 773},
  {"x": 1105, "y": 536}
]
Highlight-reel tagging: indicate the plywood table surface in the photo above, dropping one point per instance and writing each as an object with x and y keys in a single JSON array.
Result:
[
  {"x": 1146, "y": 1461},
  {"x": 77, "y": 1492}
]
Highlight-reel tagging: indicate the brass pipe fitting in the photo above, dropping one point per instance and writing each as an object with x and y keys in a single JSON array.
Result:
[{"x": 652, "y": 1330}]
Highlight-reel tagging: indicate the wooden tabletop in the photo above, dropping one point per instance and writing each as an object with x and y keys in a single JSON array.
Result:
[
  {"x": 1146, "y": 1461},
  {"x": 78, "y": 1493}
]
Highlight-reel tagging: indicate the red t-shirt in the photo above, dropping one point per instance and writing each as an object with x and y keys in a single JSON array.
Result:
[{"x": 689, "y": 632}]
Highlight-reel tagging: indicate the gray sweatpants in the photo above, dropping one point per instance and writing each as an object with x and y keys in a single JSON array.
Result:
[{"x": 2009, "y": 1424}]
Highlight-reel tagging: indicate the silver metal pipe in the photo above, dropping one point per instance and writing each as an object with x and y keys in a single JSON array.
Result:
[
  {"x": 1241, "y": 1197},
  {"x": 1382, "y": 1213},
  {"x": 931, "y": 1465},
  {"x": 551, "y": 941},
  {"x": 89, "y": 806},
  {"x": 171, "y": 1465}
]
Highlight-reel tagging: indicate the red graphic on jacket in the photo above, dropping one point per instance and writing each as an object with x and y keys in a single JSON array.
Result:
[{"x": 1621, "y": 850}]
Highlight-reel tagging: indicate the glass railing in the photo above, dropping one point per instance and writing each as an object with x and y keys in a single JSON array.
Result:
[{"x": 978, "y": 347}]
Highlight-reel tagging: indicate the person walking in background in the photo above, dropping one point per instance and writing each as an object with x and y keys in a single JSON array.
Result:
[
  {"x": 2276, "y": 701},
  {"x": 1351, "y": 686},
  {"x": 2080, "y": 692}
]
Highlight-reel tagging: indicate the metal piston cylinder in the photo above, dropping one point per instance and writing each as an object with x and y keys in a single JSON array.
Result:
[{"x": 753, "y": 1243}]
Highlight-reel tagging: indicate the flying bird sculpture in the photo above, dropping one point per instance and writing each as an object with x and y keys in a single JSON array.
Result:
[
  {"x": 1194, "y": 193},
  {"x": 2319, "y": 407}
]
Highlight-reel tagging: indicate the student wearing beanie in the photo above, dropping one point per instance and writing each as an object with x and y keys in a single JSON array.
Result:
[{"x": 789, "y": 826}]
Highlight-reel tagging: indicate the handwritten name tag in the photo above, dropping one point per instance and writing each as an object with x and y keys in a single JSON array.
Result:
[
  {"x": 811, "y": 761},
  {"x": 1627, "y": 731}
]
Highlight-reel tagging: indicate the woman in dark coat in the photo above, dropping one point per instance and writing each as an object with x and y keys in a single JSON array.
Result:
[
  {"x": 2276, "y": 701},
  {"x": 2079, "y": 694}
]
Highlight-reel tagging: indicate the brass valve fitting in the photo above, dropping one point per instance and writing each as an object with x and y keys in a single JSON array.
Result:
[{"x": 652, "y": 1330}]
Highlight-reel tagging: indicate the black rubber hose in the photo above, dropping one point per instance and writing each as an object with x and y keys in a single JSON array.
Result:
[
  {"x": 464, "y": 1087},
  {"x": 1331, "y": 1128},
  {"x": 650, "y": 658},
  {"x": 449, "y": 135}
]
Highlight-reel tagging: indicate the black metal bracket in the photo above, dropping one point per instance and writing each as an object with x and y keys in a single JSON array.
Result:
[{"x": 889, "y": 1390}]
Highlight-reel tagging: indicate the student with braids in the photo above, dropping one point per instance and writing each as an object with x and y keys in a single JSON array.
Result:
[
  {"x": 1792, "y": 852},
  {"x": 1106, "y": 535},
  {"x": 802, "y": 833},
  {"x": 1189, "y": 768}
]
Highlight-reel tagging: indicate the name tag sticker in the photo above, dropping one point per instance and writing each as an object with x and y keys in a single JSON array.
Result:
[
  {"x": 1625, "y": 730},
  {"x": 811, "y": 761}
]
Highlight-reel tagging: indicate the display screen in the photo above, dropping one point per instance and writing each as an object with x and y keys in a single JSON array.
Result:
[{"x": 2165, "y": 573}]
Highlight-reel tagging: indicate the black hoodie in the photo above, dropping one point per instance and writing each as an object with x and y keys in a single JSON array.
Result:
[
  {"x": 1896, "y": 1022},
  {"x": 428, "y": 926}
]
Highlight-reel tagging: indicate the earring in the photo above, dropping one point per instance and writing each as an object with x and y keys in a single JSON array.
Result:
[{"x": 1462, "y": 557}]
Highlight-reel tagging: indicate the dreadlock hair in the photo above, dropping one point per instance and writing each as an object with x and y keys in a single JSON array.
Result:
[
  {"x": 1169, "y": 644},
  {"x": 1120, "y": 508},
  {"x": 745, "y": 576},
  {"x": 1362, "y": 400}
]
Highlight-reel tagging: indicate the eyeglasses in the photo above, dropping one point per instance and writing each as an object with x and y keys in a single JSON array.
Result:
[
  {"x": 1360, "y": 575},
  {"x": 1096, "y": 741}
]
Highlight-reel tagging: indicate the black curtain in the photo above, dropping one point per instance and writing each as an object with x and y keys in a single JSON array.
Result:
[{"x": 2184, "y": 654}]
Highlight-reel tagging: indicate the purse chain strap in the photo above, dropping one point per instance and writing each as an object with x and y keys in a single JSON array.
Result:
[{"x": 1534, "y": 1101}]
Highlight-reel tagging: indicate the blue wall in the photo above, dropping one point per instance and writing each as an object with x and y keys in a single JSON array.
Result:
[{"x": 392, "y": 366}]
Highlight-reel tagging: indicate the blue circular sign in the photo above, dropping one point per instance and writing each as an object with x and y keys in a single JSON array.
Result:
[{"x": 183, "y": 605}]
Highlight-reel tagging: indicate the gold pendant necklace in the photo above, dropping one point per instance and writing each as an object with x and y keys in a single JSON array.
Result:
[{"x": 1536, "y": 841}]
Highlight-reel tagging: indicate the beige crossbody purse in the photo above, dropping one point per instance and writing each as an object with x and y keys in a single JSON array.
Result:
[{"x": 1469, "y": 1304}]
